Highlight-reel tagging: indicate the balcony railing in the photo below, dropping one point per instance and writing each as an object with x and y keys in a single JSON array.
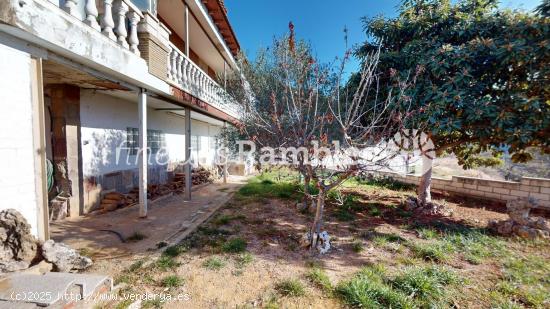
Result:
[
  {"x": 191, "y": 78},
  {"x": 112, "y": 18}
]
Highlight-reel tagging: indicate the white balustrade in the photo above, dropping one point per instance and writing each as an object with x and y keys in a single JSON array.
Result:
[
  {"x": 191, "y": 78},
  {"x": 91, "y": 14},
  {"x": 114, "y": 17},
  {"x": 121, "y": 9}
]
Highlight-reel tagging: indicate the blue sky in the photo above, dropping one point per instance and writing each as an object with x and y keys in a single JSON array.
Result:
[{"x": 321, "y": 22}]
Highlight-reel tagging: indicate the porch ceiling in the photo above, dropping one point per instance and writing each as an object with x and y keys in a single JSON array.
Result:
[{"x": 55, "y": 73}]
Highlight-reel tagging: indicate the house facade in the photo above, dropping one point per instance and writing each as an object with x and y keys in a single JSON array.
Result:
[{"x": 87, "y": 84}]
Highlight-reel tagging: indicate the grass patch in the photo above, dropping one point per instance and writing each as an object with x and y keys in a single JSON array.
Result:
[
  {"x": 526, "y": 280},
  {"x": 291, "y": 287},
  {"x": 166, "y": 262},
  {"x": 270, "y": 186},
  {"x": 416, "y": 287},
  {"x": 235, "y": 245},
  {"x": 136, "y": 236},
  {"x": 214, "y": 263},
  {"x": 226, "y": 219},
  {"x": 320, "y": 279},
  {"x": 244, "y": 259},
  {"x": 357, "y": 246},
  {"x": 174, "y": 250},
  {"x": 172, "y": 281},
  {"x": 435, "y": 252},
  {"x": 135, "y": 266}
]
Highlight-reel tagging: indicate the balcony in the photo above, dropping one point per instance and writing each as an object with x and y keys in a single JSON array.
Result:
[
  {"x": 188, "y": 76},
  {"x": 117, "y": 20}
]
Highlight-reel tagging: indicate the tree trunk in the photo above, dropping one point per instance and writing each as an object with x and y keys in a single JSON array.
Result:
[
  {"x": 424, "y": 195},
  {"x": 306, "y": 200},
  {"x": 318, "y": 222}
]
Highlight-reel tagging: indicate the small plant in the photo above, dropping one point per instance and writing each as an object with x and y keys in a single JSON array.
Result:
[
  {"x": 214, "y": 263},
  {"x": 425, "y": 283},
  {"x": 234, "y": 245},
  {"x": 244, "y": 259},
  {"x": 166, "y": 262},
  {"x": 290, "y": 287},
  {"x": 427, "y": 233},
  {"x": 375, "y": 211},
  {"x": 436, "y": 252},
  {"x": 136, "y": 236},
  {"x": 357, "y": 246},
  {"x": 174, "y": 251},
  {"x": 320, "y": 279},
  {"x": 171, "y": 281},
  {"x": 226, "y": 219},
  {"x": 135, "y": 266},
  {"x": 161, "y": 244}
]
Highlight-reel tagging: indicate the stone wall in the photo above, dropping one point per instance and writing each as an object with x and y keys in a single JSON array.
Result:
[{"x": 537, "y": 188}]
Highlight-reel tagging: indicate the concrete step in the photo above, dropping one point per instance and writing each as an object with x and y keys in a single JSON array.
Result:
[{"x": 52, "y": 290}]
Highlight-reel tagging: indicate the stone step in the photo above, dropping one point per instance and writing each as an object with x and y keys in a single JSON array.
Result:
[{"x": 54, "y": 290}]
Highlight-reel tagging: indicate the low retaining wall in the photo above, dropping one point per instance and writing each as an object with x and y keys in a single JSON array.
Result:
[{"x": 537, "y": 188}]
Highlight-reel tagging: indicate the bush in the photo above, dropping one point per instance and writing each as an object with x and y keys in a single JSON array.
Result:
[
  {"x": 234, "y": 245},
  {"x": 166, "y": 262},
  {"x": 427, "y": 284},
  {"x": 291, "y": 287},
  {"x": 171, "y": 281},
  {"x": 214, "y": 263},
  {"x": 174, "y": 251},
  {"x": 320, "y": 279}
]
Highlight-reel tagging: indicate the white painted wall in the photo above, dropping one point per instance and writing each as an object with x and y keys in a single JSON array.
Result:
[
  {"x": 17, "y": 177},
  {"x": 104, "y": 120}
]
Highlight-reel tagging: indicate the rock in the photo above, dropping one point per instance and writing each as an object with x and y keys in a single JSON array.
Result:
[
  {"x": 411, "y": 203},
  {"x": 18, "y": 247},
  {"x": 63, "y": 257}
]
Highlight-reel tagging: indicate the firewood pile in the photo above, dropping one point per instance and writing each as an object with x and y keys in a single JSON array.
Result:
[
  {"x": 201, "y": 175},
  {"x": 113, "y": 200}
]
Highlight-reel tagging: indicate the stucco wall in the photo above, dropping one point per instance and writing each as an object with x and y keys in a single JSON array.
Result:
[
  {"x": 537, "y": 188},
  {"x": 104, "y": 121},
  {"x": 17, "y": 181}
]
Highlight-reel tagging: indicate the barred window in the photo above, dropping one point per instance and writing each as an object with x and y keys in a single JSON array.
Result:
[{"x": 155, "y": 140}]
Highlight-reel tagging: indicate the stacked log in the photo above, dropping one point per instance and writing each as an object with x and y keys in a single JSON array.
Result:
[{"x": 112, "y": 201}]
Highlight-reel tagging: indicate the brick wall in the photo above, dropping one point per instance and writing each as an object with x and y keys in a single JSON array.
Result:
[
  {"x": 155, "y": 53},
  {"x": 537, "y": 188}
]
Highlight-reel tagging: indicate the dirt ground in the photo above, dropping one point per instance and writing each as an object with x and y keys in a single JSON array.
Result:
[{"x": 373, "y": 231}]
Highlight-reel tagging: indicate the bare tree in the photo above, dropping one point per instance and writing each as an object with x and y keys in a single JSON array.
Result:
[{"x": 291, "y": 101}]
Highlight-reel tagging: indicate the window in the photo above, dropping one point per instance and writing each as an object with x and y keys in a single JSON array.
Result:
[
  {"x": 132, "y": 141},
  {"x": 155, "y": 140}
]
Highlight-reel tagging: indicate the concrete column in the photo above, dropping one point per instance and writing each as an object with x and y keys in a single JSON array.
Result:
[
  {"x": 39, "y": 141},
  {"x": 186, "y": 25},
  {"x": 67, "y": 150},
  {"x": 142, "y": 107},
  {"x": 188, "y": 176},
  {"x": 225, "y": 154}
]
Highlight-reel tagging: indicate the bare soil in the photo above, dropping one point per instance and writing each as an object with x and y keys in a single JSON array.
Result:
[{"x": 273, "y": 229}]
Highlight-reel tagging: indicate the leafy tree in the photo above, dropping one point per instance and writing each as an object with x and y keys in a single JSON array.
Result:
[{"x": 483, "y": 82}]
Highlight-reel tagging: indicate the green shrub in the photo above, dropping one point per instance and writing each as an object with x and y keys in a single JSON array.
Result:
[
  {"x": 436, "y": 252},
  {"x": 166, "y": 262},
  {"x": 171, "y": 281},
  {"x": 234, "y": 245},
  {"x": 427, "y": 284},
  {"x": 174, "y": 250},
  {"x": 291, "y": 287},
  {"x": 357, "y": 246},
  {"x": 244, "y": 259},
  {"x": 214, "y": 263},
  {"x": 320, "y": 279}
]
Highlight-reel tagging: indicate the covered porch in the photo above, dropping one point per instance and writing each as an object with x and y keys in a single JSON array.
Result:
[{"x": 122, "y": 233}]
